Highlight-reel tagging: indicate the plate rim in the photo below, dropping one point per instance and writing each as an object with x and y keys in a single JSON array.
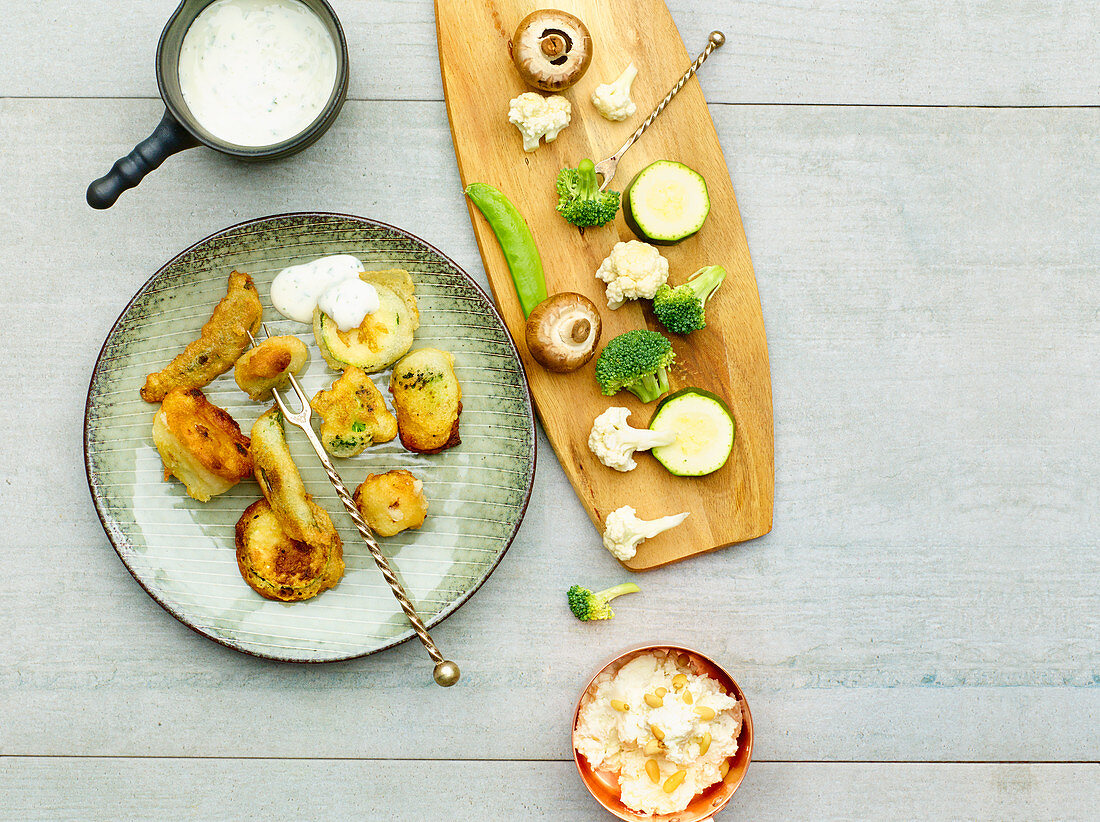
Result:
[{"x": 115, "y": 535}]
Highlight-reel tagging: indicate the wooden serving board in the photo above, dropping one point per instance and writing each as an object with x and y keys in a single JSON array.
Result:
[{"x": 729, "y": 357}]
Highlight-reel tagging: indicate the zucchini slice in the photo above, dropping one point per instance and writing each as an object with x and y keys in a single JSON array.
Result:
[
  {"x": 384, "y": 337},
  {"x": 666, "y": 202},
  {"x": 704, "y": 430}
]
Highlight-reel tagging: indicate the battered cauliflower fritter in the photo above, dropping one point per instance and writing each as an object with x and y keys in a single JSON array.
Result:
[
  {"x": 222, "y": 340},
  {"x": 200, "y": 444},
  {"x": 392, "y": 502},
  {"x": 269, "y": 365},
  {"x": 355, "y": 414}
]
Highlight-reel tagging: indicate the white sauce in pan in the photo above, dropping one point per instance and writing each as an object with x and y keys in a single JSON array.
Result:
[
  {"x": 331, "y": 282},
  {"x": 257, "y": 72}
]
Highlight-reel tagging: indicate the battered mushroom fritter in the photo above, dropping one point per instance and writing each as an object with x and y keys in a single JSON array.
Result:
[
  {"x": 269, "y": 365},
  {"x": 392, "y": 502},
  {"x": 427, "y": 399},
  {"x": 355, "y": 415},
  {"x": 277, "y": 566},
  {"x": 287, "y": 547},
  {"x": 220, "y": 343},
  {"x": 200, "y": 444}
]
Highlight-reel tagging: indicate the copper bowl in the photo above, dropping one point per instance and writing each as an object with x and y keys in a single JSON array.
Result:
[{"x": 604, "y": 786}]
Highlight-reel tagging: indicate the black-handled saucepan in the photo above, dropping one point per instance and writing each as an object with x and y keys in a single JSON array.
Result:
[{"x": 179, "y": 130}]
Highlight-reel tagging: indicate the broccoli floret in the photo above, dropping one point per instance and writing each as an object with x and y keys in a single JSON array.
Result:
[
  {"x": 580, "y": 200},
  {"x": 636, "y": 362},
  {"x": 680, "y": 309},
  {"x": 586, "y": 605}
]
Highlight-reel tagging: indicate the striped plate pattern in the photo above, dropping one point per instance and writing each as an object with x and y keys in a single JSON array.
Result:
[{"x": 182, "y": 551}]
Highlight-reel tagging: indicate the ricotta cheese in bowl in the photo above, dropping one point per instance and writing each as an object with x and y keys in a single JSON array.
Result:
[{"x": 659, "y": 733}]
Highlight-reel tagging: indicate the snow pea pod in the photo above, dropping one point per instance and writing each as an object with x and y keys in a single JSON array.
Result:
[{"x": 514, "y": 236}]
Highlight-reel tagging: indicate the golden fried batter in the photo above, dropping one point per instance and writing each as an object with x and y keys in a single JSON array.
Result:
[
  {"x": 282, "y": 485},
  {"x": 220, "y": 343},
  {"x": 269, "y": 365},
  {"x": 392, "y": 502},
  {"x": 200, "y": 444},
  {"x": 355, "y": 414},
  {"x": 279, "y": 567},
  {"x": 427, "y": 399}
]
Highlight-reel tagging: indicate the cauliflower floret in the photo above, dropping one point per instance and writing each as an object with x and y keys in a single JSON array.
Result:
[
  {"x": 624, "y": 531},
  {"x": 614, "y": 441},
  {"x": 536, "y": 116},
  {"x": 632, "y": 270},
  {"x": 612, "y": 100}
]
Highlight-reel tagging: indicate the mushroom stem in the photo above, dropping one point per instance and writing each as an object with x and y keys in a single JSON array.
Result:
[
  {"x": 553, "y": 46},
  {"x": 580, "y": 331}
]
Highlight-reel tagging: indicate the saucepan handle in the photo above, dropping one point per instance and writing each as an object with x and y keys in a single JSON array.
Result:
[{"x": 168, "y": 138}]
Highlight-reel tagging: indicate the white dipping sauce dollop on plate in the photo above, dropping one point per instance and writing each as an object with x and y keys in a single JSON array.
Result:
[
  {"x": 257, "y": 72},
  {"x": 295, "y": 290}
]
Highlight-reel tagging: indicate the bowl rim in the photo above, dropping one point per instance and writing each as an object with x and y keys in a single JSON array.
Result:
[
  {"x": 303, "y": 139},
  {"x": 744, "y": 739}
]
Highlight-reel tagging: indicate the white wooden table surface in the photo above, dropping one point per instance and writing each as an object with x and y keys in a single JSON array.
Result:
[{"x": 918, "y": 638}]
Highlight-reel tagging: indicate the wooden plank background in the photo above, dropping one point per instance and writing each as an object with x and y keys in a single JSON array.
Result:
[{"x": 918, "y": 634}]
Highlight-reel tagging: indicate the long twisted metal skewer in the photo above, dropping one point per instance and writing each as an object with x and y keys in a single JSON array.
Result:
[
  {"x": 446, "y": 673},
  {"x": 606, "y": 168}
]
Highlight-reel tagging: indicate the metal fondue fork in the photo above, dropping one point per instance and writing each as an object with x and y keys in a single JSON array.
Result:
[
  {"x": 606, "y": 168},
  {"x": 446, "y": 673}
]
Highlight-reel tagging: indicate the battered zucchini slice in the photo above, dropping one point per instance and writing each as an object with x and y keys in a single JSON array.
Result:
[
  {"x": 383, "y": 337},
  {"x": 277, "y": 566}
]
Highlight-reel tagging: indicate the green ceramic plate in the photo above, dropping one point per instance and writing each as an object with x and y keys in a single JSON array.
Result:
[{"x": 182, "y": 552}]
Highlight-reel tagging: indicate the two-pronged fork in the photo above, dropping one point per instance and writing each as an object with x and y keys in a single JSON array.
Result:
[{"x": 446, "y": 673}]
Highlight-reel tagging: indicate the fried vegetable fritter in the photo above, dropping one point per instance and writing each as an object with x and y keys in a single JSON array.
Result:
[
  {"x": 382, "y": 338},
  {"x": 222, "y": 340},
  {"x": 427, "y": 399},
  {"x": 282, "y": 485},
  {"x": 269, "y": 365},
  {"x": 392, "y": 502},
  {"x": 200, "y": 444},
  {"x": 287, "y": 546},
  {"x": 278, "y": 566},
  {"x": 355, "y": 414}
]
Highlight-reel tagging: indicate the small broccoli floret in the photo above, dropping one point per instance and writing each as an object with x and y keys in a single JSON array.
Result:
[
  {"x": 636, "y": 362},
  {"x": 586, "y": 605},
  {"x": 681, "y": 309},
  {"x": 580, "y": 200}
]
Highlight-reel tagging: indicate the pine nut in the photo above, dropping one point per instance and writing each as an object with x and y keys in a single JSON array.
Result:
[
  {"x": 724, "y": 768},
  {"x": 704, "y": 744},
  {"x": 657, "y": 732},
  {"x": 688, "y": 698},
  {"x": 679, "y": 681},
  {"x": 661, "y": 692},
  {"x": 653, "y": 701},
  {"x": 652, "y": 747},
  {"x": 707, "y": 714},
  {"x": 674, "y": 781},
  {"x": 654, "y": 770},
  {"x": 619, "y": 705},
  {"x": 683, "y": 660}
]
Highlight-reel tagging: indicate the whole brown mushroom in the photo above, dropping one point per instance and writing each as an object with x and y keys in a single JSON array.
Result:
[
  {"x": 562, "y": 331},
  {"x": 551, "y": 49}
]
